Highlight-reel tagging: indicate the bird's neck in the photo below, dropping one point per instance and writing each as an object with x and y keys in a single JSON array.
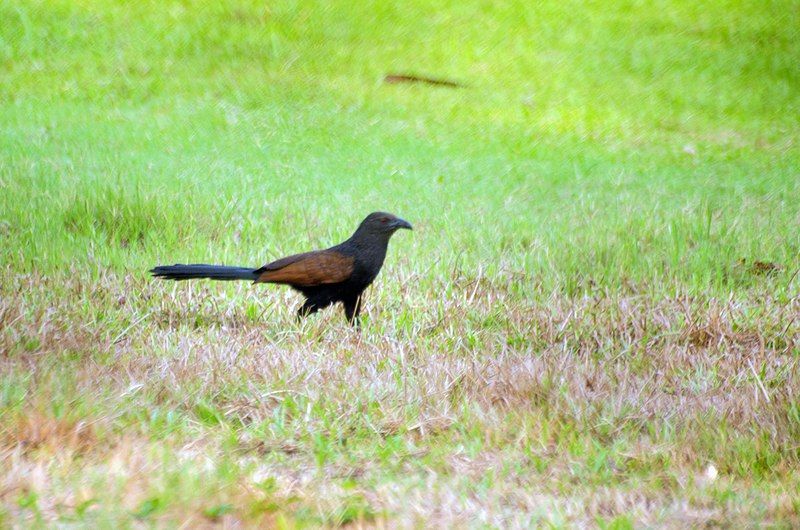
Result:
[{"x": 372, "y": 245}]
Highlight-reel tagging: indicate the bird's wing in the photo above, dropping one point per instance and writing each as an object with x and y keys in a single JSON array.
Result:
[{"x": 308, "y": 269}]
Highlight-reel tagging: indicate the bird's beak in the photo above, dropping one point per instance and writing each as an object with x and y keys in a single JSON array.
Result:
[{"x": 401, "y": 223}]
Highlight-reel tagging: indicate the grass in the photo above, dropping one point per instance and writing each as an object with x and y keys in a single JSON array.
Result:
[{"x": 594, "y": 323}]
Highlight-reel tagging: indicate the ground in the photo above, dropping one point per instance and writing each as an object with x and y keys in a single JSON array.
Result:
[{"x": 595, "y": 323}]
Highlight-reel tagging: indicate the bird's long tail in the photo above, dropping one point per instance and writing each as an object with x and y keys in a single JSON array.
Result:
[{"x": 213, "y": 272}]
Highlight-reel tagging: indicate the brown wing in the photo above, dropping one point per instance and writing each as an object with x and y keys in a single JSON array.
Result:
[{"x": 309, "y": 269}]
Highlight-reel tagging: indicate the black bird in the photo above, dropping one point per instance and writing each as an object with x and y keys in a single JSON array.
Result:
[{"x": 325, "y": 277}]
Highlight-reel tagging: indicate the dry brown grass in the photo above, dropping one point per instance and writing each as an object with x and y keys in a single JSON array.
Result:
[{"x": 488, "y": 407}]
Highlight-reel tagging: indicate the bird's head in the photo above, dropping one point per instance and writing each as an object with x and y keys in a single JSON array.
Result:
[{"x": 383, "y": 223}]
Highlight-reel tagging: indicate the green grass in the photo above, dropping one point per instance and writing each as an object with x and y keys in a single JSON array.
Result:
[{"x": 595, "y": 321}]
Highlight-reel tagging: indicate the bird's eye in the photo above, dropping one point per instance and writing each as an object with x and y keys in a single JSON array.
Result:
[{"x": 384, "y": 219}]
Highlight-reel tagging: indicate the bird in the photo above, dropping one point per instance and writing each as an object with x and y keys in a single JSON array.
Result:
[{"x": 324, "y": 277}]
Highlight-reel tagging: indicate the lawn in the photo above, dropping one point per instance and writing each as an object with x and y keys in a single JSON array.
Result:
[{"x": 595, "y": 323}]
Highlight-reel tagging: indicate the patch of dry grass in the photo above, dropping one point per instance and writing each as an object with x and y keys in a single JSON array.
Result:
[{"x": 510, "y": 410}]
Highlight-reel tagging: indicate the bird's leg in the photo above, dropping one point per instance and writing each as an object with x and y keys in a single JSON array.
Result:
[
  {"x": 308, "y": 308},
  {"x": 352, "y": 308}
]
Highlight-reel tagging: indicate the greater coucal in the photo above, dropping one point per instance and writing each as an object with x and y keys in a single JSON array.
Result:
[{"x": 325, "y": 277}]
